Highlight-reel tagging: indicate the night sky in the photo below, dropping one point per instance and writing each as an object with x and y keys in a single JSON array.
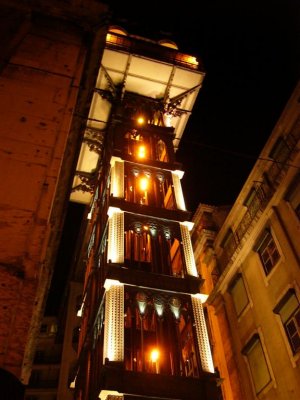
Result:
[{"x": 250, "y": 51}]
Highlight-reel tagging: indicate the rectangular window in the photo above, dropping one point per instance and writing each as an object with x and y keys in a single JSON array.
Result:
[
  {"x": 227, "y": 238},
  {"x": 293, "y": 196},
  {"x": 289, "y": 311},
  {"x": 257, "y": 363},
  {"x": 267, "y": 250},
  {"x": 239, "y": 294},
  {"x": 280, "y": 151},
  {"x": 256, "y": 199}
]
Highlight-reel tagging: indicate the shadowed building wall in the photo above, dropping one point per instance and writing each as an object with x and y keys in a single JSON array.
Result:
[{"x": 48, "y": 65}]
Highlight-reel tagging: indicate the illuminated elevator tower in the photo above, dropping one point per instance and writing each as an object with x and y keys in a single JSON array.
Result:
[{"x": 143, "y": 332}]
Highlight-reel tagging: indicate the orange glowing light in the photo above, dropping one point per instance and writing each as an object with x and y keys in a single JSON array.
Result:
[
  {"x": 111, "y": 38},
  {"x": 143, "y": 183},
  {"x": 142, "y": 152},
  {"x": 154, "y": 356},
  {"x": 140, "y": 120},
  {"x": 192, "y": 60}
]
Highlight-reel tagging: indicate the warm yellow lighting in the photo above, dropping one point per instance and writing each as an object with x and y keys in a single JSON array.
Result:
[
  {"x": 168, "y": 119},
  {"x": 187, "y": 59},
  {"x": 113, "y": 344},
  {"x": 175, "y": 306},
  {"x": 72, "y": 384},
  {"x": 192, "y": 60},
  {"x": 80, "y": 312},
  {"x": 141, "y": 299},
  {"x": 143, "y": 183},
  {"x": 159, "y": 306},
  {"x": 188, "y": 224},
  {"x": 168, "y": 43},
  {"x": 111, "y": 38},
  {"x": 111, "y": 282},
  {"x": 203, "y": 297},
  {"x": 140, "y": 120},
  {"x": 142, "y": 152},
  {"x": 154, "y": 356}
]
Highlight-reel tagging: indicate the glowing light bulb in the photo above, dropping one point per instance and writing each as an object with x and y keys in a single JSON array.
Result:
[
  {"x": 142, "y": 152},
  {"x": 140, "y": 120},
  {"x": 154, "y": 355},
  {"x": 143, "y": 183}
]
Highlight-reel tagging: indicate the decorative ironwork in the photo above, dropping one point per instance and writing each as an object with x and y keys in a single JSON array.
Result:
[
  {"x": 88, "y": 182},
  {"x": 111, "y": 85},
  {"x": 175, "y": 306},
  {"x": 94, "y": 138},
  {"x": 105, "y": 94},
  {"x": 142, "y": 301},
  {"x": 171, "y": 105},
  {"x": 168, "y": 228},
  {"x": 159, "y": 305}
]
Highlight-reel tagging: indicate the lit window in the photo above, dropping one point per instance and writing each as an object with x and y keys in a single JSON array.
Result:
[
  {"x": 267, "y": 250},
  {"x": 239, "y": 294},
  {"x": 289, "y": 311},
  {"x": 257, "y": 363}
]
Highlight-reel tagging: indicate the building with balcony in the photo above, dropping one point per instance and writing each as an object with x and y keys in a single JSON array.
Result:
[
  {"x": 143, "y": 333},
  {"x": 250, "y": 260}
]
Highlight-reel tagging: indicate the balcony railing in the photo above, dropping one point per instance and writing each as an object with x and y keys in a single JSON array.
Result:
[{"x": 264, "y": 193}]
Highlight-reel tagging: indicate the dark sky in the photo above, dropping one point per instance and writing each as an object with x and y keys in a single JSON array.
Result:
[{"x": 250, "y": 51}]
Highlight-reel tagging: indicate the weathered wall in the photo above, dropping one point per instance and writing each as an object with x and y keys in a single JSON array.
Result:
[{"x": 48, "y": 67}]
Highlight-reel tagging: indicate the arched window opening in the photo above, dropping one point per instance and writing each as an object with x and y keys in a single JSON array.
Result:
[
  {"x": 142, "y": 146},
  {"x": 151, "y": 247},
  {"x": 149, "y": 187},
  {"x": 159, "y": 335}
]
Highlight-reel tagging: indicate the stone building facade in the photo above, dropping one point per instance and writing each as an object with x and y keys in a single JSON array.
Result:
[{"x": 49, "y": 59}]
